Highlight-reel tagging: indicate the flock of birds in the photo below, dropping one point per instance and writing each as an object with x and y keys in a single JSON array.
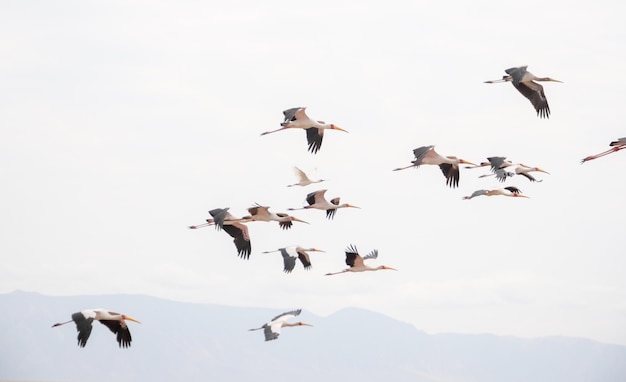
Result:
[{"x": 296, "y": 118}]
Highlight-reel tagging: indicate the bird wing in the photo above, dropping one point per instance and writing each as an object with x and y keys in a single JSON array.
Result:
[
  {"x": 302, "y": 177},
  {"x": 312, "y": 196},
  {"x": 84, "y": 324},
  {"x": 478, "y": 193},
  {"x": 330, "y": 213},
  {"x": 371, "y": 255},
  {"x": 304, "y": 259},
  {"x": 528, "y": 176},
  {"x": 513, "y": 189},
  {"x": 121, "y": 330},
  {"x": 285, "y": 316},
  {"x": 534, "y": 92},
  {"x": 290, "y": 114},
  {"x": 314, "y": 138},
  {"x": 496, "y": 162},
  {"x": 451, "y": 172},
  {"x": 420, "y": 153},
  {"x": 502, "y": 174},
  {"x": 517, "y": 74},
  {"x": 288, "y": 261},
  {"x": 271, "y": 332},
  {"x": 352, "y": 256},
  {"x": 284, "y": 224},
  {"x": 219, "y": 215},
  {"x": 241, "y": 238}
]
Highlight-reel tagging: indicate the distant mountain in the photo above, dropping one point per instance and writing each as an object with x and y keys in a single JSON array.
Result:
[{"x": 202, "y": 342}]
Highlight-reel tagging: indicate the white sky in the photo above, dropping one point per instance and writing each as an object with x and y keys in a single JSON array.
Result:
[{"x": 124, "y": 122}]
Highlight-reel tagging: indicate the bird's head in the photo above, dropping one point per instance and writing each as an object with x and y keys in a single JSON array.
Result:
[
  {"x": 303, "y": 324},
  {"x": 386, "y": 267},
  {"x": 335, "y": 127},
  {"x": 315, "y": 250},
  {"x": 129, "y": 318},
  {"x": 351, "y": 206},
  {"x": 553, "y": 80},
  {"x": 540, "y": 170},
  {"x": 518, "y": 195}
]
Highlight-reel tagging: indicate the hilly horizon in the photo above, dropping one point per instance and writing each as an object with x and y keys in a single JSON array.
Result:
[{"x": 193, "y": 341}]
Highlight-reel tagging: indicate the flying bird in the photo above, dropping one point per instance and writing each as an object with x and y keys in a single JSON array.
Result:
[
  {"x": 449, "y": 165},
  {"x": 292, "y": 253},
  {"x": 316, "y": 200},
  {"x": 296, "y": 118},
  {"x": 222, "y": 219},
  {"x": 503, "y": 173},
  {"x": 524, "y": 82},
  {"x": 272, "y": 328},
  {"x": 506, "y": 191},
  {"x": 262, "y": 213},
  {"x": 116, "y": 322},
  {"x": 615, "y": 146},
  {"x": 303, "y": 179},
  {"x": 356, "y": 264}
]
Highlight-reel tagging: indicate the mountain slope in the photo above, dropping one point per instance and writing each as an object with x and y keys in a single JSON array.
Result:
[{"x": 202, "y": 342}]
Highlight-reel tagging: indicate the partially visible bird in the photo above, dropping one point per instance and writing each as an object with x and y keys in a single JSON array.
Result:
[
  {"x": 296, "y": 118},
  {"x": 303, "y": 179},
  {"x": 272, "y": 328},
  {"x": 262, "y": 213},
  {"x": 116, "y": 322},
  {"x": 516, "y": 169},
  {"x": 222, "y": 219},
  {"x": 316, "y": 200},
  {"x": 506, "y": 191},
  {"x": 291, "y": 253},
  {"x": 449, "y": 165},
  {"x": 617, "y": 145},
  {"x": 524, "y": 82},
  {"x": 356, "y": 264}
]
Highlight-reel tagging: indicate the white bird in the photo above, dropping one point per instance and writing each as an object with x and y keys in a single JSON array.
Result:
[
  {"x": 262, "y": 213},
  {"x": 272, "y": 328},
  {"x": 292, "y": 253},
  {"x": 116, "y": 322},
  {"x": 222, "y": 219},
  {"x": 356, "y": 264},
  {"x": 617, "y": 145},
  {"x": 303, "y": 179},
  {"x": 516, "y": 169},
  {"x": 316, "y": 200},
  {"x": 296, "y": 118},
  {"x": 524, "y": 82},
  {"x": 506, "y": 191},
  {"x": 449, "y": 165}
]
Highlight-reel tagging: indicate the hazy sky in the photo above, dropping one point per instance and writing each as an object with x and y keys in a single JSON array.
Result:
[{"x": 124, "y": 122}]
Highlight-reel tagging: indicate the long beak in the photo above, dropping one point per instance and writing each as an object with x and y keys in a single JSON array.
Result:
[
  {"x": 298, "y": 220},
  {"x": 391, "y": 269},
  {"x": 305, "y": 324},
  {"x": 468, "y": 162},
  {"x": 339, "y": 128},
  {"x": 553, "y": 80},
  {"x": 545, "y": 172},
  {"x": 131, "y": 319},
  {"x": 350, "y": 205},
  {"x": 522, "y": 196}
]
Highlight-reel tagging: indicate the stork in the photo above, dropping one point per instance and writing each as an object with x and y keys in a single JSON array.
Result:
[
  {"x": 116, "y": 322},
  {"x": 506, "y": 191},
  {"x": 303, "y": 179},
  {"x": 356, "y": 264},
  {"x": 262, "y": 213},
  {"x": 524, "y": 82},
  {"x": 449, "y": 165},
  {"x": 296, "y": 118},
  {"x": 318, "y": 201},
  {"x": 291, "y": 253},
  {"x": 272, "y": 328},
  {"x": 617, "y": 145},
  {"x": 222, "y": 219}
]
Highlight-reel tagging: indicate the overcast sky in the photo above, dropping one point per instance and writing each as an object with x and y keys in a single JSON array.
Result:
[{"x": 122, "y": 123}]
